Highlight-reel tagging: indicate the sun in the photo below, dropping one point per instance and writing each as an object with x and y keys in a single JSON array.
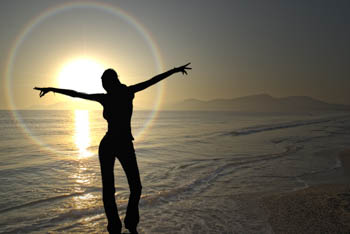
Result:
[{"x": 81, "y": 74}]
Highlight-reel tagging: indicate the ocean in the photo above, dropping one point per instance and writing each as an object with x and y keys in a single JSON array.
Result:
[{"x": 202, "y": 172}]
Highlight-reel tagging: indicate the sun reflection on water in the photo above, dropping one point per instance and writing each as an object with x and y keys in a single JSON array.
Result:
[
  {"x": 82, "y": 176},
  {"x": 82, "y": 133}
]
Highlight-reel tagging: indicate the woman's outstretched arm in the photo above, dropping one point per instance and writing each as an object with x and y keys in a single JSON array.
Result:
[
  {"x": 143, "y": 85},
  {"x": 68, "y": 92}
]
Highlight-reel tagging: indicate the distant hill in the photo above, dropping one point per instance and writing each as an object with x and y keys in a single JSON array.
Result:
[{"x": 259, "y": 103}]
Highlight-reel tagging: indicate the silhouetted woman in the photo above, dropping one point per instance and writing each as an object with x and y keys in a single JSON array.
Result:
[{"x": 117, "y": 110}]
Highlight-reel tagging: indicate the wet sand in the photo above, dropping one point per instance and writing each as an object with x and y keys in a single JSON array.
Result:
[{"x": 318, "y": 209}]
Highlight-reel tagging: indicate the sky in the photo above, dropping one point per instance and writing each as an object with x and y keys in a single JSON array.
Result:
[{"x": 236, "y": 48}]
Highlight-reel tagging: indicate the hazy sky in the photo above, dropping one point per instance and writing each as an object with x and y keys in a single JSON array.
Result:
[{"x": 237, "y": 48}]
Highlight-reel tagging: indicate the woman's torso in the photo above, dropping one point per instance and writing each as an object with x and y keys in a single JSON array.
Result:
[{"x": 117, "y": 110}]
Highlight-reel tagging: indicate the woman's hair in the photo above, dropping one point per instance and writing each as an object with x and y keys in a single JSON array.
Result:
[
  {"x": 110, "y": 80},
  {"x": 110, "y": 74}
]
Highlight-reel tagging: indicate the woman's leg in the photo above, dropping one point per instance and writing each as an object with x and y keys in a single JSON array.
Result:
[
  {"x": 107, "y": 159},
  {"x": 127, "y": 158}
]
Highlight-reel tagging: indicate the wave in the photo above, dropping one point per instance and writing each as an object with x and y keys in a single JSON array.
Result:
[
  {"x": 200, "y": 184},
  {"x": 50, "y": 199},
  {"x": 59, "y": 222},
  {"x": 271, "y": 127}
]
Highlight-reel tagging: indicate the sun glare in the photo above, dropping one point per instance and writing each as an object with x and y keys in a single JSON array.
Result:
[
  {"x": 82, "y": 74},
  {"x": 82, "y": 132}
]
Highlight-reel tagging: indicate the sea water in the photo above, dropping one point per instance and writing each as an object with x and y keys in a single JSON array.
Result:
[{"x": 201, "y": 171}]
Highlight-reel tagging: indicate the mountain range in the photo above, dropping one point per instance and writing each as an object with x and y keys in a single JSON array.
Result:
[{"x": 259, "y": 103}]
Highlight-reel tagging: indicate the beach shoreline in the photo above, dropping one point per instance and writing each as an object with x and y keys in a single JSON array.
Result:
[{"x": 323, "y": 208}]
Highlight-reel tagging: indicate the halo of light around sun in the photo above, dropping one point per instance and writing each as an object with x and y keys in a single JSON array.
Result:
[{"x": 79, "y": 72}]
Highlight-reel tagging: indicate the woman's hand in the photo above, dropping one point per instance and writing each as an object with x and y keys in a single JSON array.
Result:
[
  {"x": 183, "y": 69},
  {"x": 43, "y": 91}
]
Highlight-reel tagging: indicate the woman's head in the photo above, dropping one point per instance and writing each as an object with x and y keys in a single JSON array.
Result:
[{"x": 110, "y": 80}]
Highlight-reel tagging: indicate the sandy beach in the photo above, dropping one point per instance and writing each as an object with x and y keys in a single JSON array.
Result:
[{"x": 318, "y": 209}]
